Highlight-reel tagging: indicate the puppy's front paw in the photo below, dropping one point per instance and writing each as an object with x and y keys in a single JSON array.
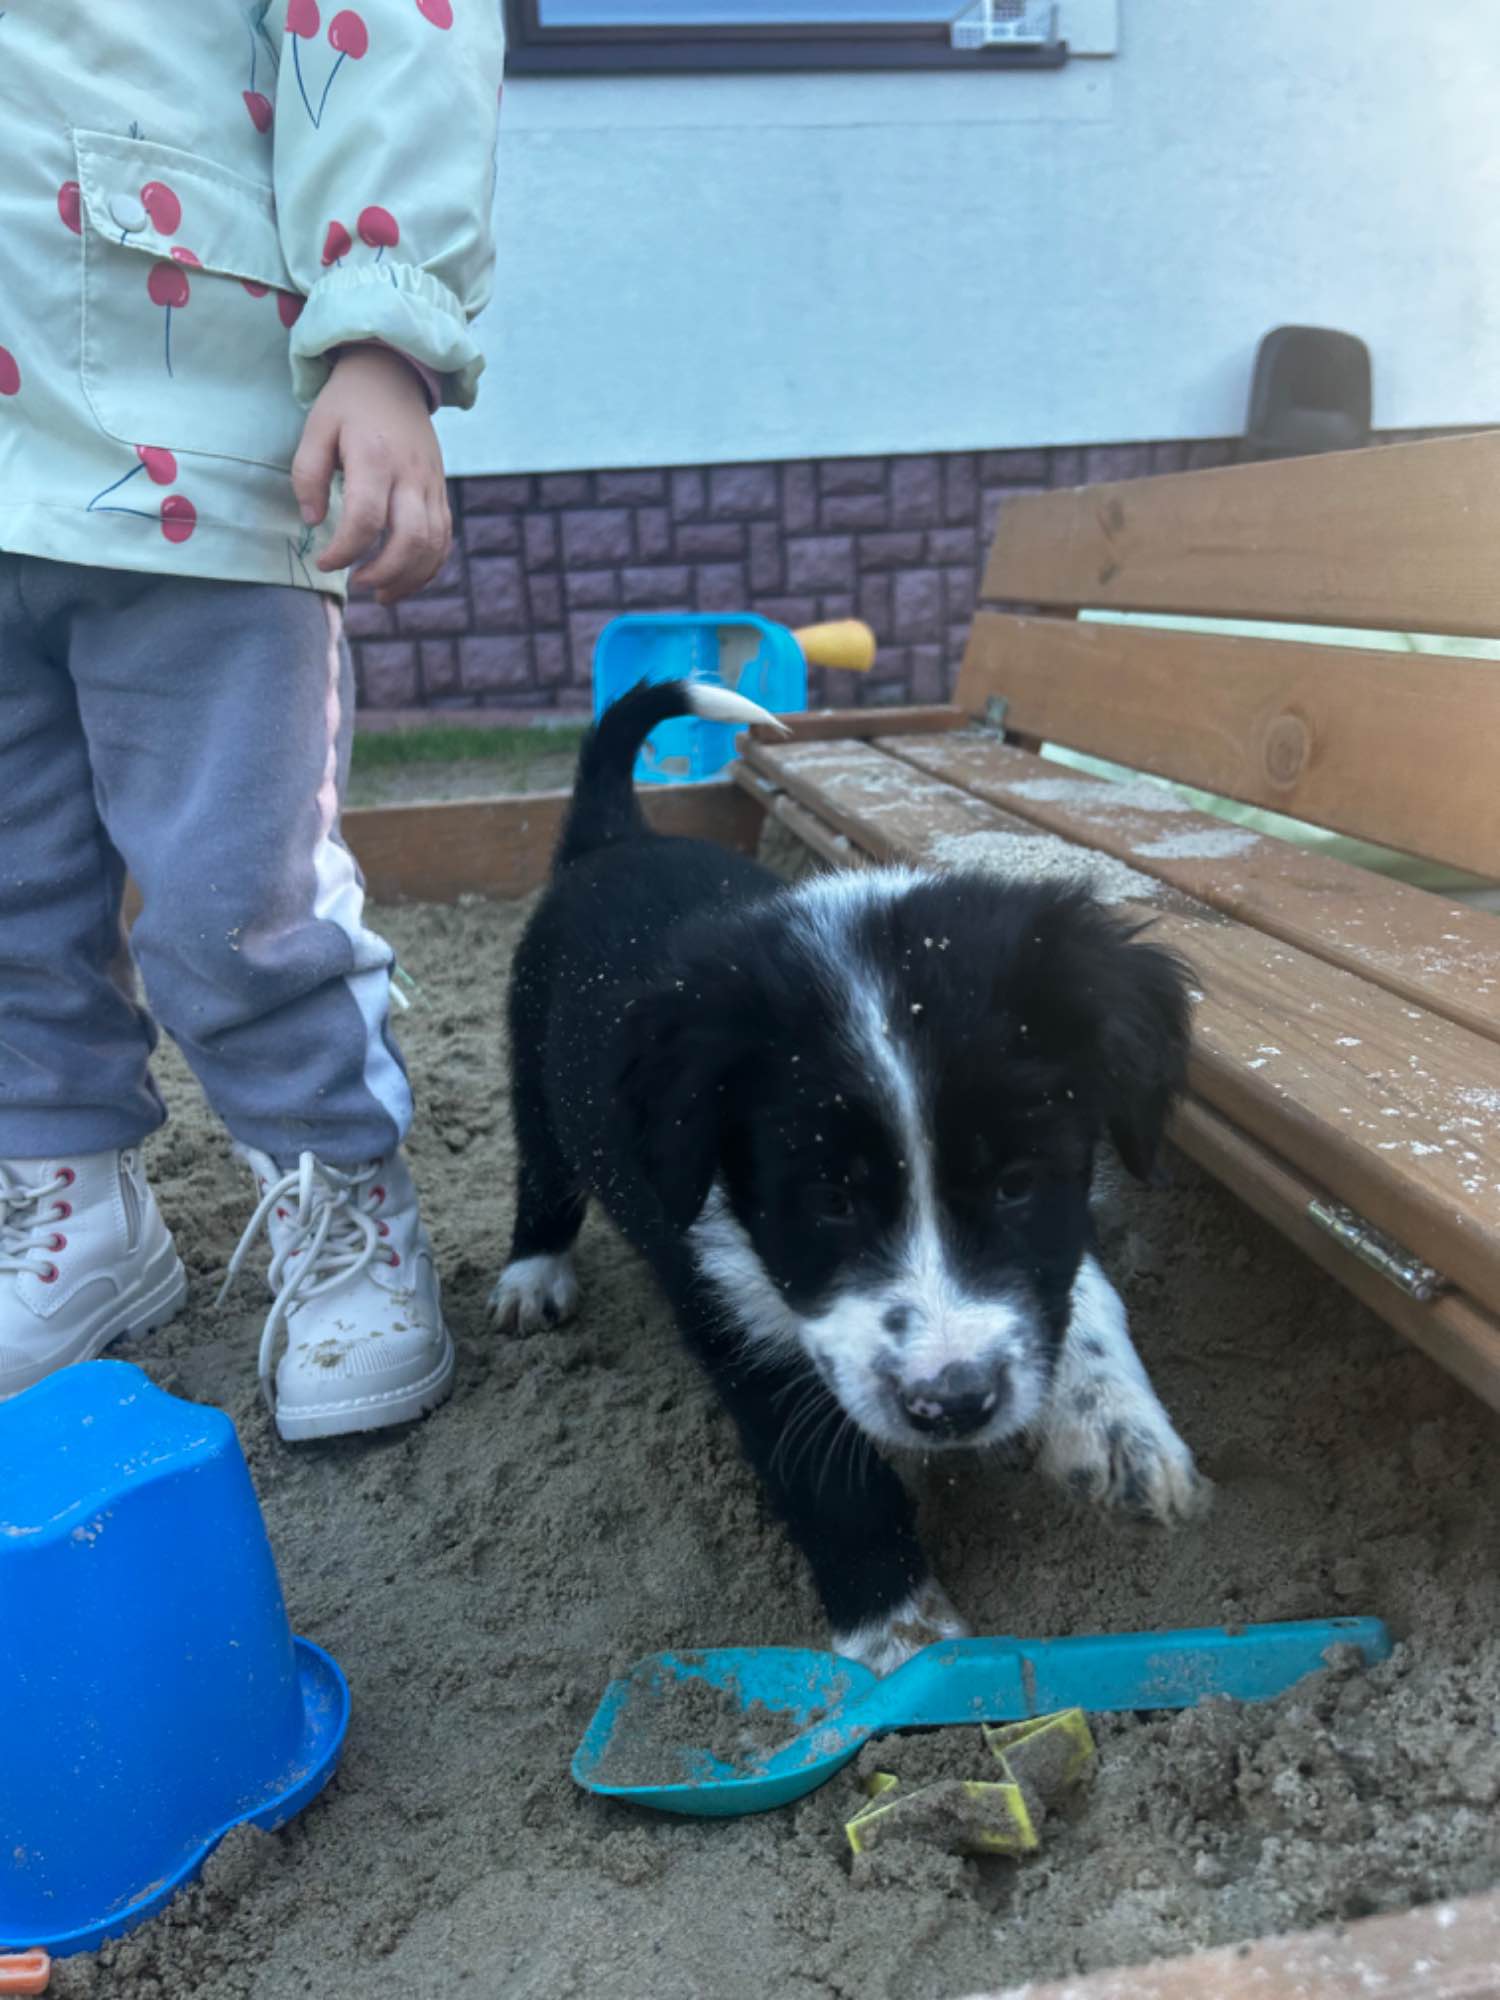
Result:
[
  {"x": 1112, "y": 1443},
  {"x": 534, "y": 1292},
  {"x": 885, "y": 1643}
]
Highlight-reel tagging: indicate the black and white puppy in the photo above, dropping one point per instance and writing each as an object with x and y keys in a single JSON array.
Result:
[{"x": 851, "y": 1126}]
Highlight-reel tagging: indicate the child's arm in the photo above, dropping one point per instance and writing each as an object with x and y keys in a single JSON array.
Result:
[{"x": 383, "y": 169}]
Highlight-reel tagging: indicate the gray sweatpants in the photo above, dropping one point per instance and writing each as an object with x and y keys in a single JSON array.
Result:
[{"x": 197, "y": 735}]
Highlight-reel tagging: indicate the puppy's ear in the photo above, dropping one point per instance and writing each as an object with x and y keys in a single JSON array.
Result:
[
  {"x": 676, "y": 1056},
  {"x": 1099, "y": 1000},
  {"x": 1143, "y": 1032}
]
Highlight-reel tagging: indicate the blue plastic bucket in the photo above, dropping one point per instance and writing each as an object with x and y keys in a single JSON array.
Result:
[
  {"x": 152, "y": 1696},
  {"x": 755, "y": 657}
]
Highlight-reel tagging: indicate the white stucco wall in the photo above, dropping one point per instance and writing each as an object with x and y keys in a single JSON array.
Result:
[{"x": 734, "y": 268}]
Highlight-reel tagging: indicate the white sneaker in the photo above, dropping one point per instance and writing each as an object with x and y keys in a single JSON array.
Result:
[
  {"x": 356, "y": 1294},
  {"x": 84, "y": 1258}
]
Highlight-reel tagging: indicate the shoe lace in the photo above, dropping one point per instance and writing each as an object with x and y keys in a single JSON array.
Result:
[
  {"x": 26, "y": 1233},
  {"x": 332, "y": 1237}
]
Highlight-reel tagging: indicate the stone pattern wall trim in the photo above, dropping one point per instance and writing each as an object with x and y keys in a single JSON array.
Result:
[{"x": 541, "y": 563}]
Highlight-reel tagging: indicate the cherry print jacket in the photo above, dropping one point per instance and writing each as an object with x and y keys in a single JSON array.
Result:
[{"x": 200, "y": 202}]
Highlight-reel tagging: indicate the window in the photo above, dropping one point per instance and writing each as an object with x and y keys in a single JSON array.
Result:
[{"x": 549, "y": 37}]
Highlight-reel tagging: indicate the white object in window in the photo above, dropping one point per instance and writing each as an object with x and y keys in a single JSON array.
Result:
[{"x": 994, "y": 24}]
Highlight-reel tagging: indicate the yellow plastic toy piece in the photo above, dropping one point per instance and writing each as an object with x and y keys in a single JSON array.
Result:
[
  {"x": 967, "y": 1815},
  {"x": 1042, "y": 1760},
  {"x": 843, "y": 642},
  {"x": 1049, "y": 1754}
]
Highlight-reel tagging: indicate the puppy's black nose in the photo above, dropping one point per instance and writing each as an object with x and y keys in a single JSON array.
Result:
[{"x": 953, "y": 1404}]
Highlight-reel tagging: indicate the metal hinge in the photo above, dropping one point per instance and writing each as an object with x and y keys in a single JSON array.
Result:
[{"x": 1382, "y": 1253}]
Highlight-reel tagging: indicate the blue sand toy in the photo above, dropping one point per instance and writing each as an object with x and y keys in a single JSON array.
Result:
[
  {"x": 735, "y": 650},
  {"x": 836, "y": 1705},
  {"x": 152, "y": 1696}
]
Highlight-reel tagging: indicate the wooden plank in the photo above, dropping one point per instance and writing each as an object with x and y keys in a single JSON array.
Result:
[
  {"x": 503, "y": 847},
  {"x": 1401, "y": 538},
  {"x": 1392, "y": 1109},
  {"x": 1434, "y": 953},
  {"x": 1396, "y": 1112},
  {"x": 1452, "y": 1331},
  {"x": 1397, "y": 748},
  {"x": 850, "y": 724},
  {"x": 1442, "y": 1951},
  {"x": 835, "y": 848},
  {"x": 892, "y": 812}
]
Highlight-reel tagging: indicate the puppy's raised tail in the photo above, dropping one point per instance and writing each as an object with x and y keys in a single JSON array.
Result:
[{"x": 605, "y": 808}]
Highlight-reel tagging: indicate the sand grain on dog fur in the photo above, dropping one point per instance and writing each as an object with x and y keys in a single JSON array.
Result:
[{"x": 581, "y": 1502}]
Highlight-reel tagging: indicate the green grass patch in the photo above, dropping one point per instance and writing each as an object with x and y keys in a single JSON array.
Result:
[{"x": 453, "y": 743}]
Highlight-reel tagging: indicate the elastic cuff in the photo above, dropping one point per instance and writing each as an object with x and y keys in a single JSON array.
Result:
[{"x": 398, "y": 305}]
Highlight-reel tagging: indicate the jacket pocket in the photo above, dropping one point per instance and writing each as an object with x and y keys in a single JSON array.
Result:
[{"x": 187, "y": 303}]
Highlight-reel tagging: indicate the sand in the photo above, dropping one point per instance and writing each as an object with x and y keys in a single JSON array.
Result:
[
  {"x": 690, "y": 1730},
  {"x": 581, "y": 1502}
]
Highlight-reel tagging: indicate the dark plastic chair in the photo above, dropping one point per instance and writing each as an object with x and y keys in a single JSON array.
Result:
[{"x": 1310, "y": 393}]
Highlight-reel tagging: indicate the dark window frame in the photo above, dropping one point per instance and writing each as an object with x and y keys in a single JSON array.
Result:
[{"x": 535, "y": 50}]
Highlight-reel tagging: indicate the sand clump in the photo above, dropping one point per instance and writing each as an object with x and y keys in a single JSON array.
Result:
[
  {"x": 677, "y": 1732},
  {"x": 581, "y": 1502}
]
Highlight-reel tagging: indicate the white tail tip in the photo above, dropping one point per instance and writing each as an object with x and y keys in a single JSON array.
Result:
[{"x": 721, "y": 704}]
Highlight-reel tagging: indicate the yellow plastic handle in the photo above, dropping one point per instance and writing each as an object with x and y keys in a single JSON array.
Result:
[{"x": 843, "y": 642}]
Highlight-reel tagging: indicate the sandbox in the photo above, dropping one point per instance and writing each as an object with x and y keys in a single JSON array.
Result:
[{"x": 581, "y": 1501}]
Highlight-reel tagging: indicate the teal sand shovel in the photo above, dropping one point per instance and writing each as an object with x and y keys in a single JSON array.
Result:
[{"x": 820, "y": 1708}]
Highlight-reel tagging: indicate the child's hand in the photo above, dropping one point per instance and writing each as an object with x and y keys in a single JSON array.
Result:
[{"x": 371, "y": 422}]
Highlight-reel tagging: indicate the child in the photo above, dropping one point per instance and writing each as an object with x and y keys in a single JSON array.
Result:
[{"x": 240, "y": 248}]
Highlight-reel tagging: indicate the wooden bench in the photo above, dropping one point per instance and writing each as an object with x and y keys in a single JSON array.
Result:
[{"x": 1345, "y": 1076}]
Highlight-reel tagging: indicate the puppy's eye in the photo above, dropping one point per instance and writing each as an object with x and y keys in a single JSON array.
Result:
[
  {"x": 826, "y": 1203},
  {"x": 1017, "y": 1181}
]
